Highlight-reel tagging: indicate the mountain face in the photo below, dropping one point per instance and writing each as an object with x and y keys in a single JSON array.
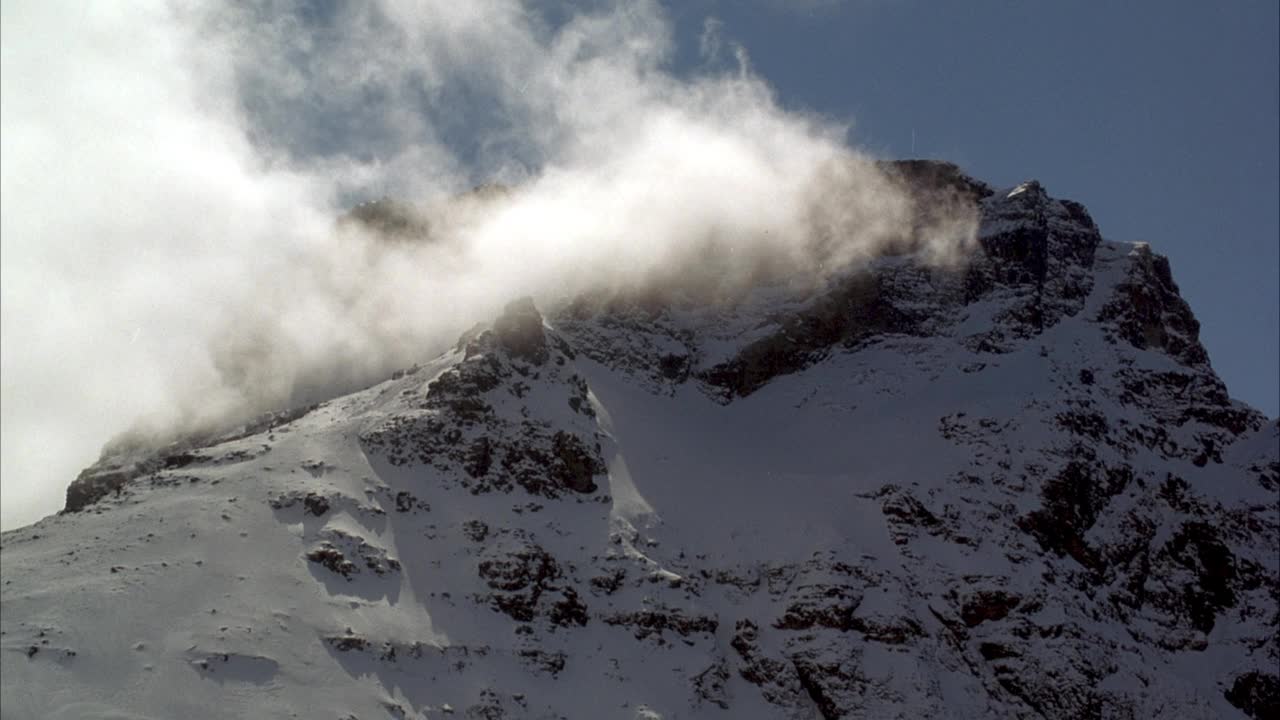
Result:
[{"x": 1013, "y": 487}]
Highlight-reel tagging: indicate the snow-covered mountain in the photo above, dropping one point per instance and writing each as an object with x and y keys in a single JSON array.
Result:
[{"x": 1013, "y": 487}]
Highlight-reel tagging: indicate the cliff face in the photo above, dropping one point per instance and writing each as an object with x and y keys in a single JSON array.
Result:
[{"x": 1010, "y": 487}]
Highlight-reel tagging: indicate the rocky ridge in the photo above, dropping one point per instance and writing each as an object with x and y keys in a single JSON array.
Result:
[{"x": 1010, "y": 487}]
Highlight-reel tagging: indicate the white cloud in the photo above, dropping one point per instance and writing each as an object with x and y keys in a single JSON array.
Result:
[
  {"x": 170, "y": 179},
  {"x": 710, "y": 42}
]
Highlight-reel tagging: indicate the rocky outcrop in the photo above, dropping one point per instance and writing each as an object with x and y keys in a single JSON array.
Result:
[
  {"x": 856, "y": 310},
  {"x": 511, "y": 414},
  {"x": 1148, "y": 312},
  {"x": 344, "y": 554},
  {"x": 140, "y": 455},
  {"x": 1256, "y": 694},
  {"x": 519, "y": 332}
]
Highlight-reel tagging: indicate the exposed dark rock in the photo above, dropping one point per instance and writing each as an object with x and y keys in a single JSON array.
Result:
[
  {"x": 675, "y": 367},
  {"x": 133, "y": 455},
  {"x": 316, "y": 504},
  {"x": 1149, "y": 313},
  {"x": 332, "y": 558},
  {"x": 1197, "y": 547},
  {"x": 907, "y": 517},
  {"x": 479, "y": 457},
  {"x": 892, "y": 631},
  {"x": 777, "y": 679},
  {"x": 541, "y": 661},
  {"x": 519, "y": 331},
  {"x": 91, "y": 486},
  {"x": 825, "y": 605},
  {"x": 987, "y": 606},
  {"x": 579, "y": 400},
  {"x": 1072, "y": 501},
  {"x": 901, "y": 508},
  {"x": 549, "y": 466},
  {"x": 181, "y": 460},
  {"x": 995, "y": 651},
  {"x": 1092, "y": 425},
  {"x": 574, "y": 466},
  {"x": 853, "y": 312},
  {"x": 406, "y": 502},
  {"x": 475, "y": 530},
  {"x": 348, "y": 643},
  {"x": 520, "y": 580},
  {"x": 656, "y": 621},
  {"x": 609, "y": 582},
  {"x": 338, "y": 552},
  {"x": 1256, "y": 694},
  {"x": 1025, "y": 243},
  {"x": 709, "y": 685},
  {"x": 569, "y": 610},
  {"x": 531, "y": 567},
  {"x": 931, "y": 178},
  {"x": 829, "y": 684},
  {"x": 498, "y": 451}
]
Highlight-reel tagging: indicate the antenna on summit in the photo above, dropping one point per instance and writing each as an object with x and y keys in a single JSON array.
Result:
[{"x": 913, "y": 142}]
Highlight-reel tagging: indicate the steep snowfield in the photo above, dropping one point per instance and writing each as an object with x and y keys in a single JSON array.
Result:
[{"x": 1014, "y": 489}]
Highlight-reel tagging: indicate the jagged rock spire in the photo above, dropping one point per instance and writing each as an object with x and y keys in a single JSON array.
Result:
[{"x": 519, "y": 331}]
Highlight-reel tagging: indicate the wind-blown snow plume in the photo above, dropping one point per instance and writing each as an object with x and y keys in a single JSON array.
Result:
[{"x": 171, "y": 179}]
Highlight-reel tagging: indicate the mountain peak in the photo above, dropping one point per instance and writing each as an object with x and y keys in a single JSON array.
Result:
[
  {"x": 1009, "y": 486},
  {"x": 1032, "y": 191},
  {"x": 519, "y": 331}
]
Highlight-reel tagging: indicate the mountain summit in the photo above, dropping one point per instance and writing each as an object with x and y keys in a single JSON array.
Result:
[{"x": 1007, "y": 486}]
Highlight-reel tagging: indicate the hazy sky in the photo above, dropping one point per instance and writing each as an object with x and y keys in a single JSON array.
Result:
[{"x": 171, "y": 171}]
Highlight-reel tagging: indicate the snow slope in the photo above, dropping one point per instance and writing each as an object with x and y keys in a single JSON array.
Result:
[{"x": 1014, "y": 488}]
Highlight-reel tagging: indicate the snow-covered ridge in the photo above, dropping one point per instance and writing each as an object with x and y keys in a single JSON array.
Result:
[{"x": 1011, "y": 487}]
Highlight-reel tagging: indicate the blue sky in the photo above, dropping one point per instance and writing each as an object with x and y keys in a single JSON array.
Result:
[{"x": 1163, "y": 118}]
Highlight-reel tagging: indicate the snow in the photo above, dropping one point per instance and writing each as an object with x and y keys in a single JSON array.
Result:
[{"x": 882, "y": 484}]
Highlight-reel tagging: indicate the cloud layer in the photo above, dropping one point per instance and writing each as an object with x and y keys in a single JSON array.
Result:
[{"x": 171, "y": 179}]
